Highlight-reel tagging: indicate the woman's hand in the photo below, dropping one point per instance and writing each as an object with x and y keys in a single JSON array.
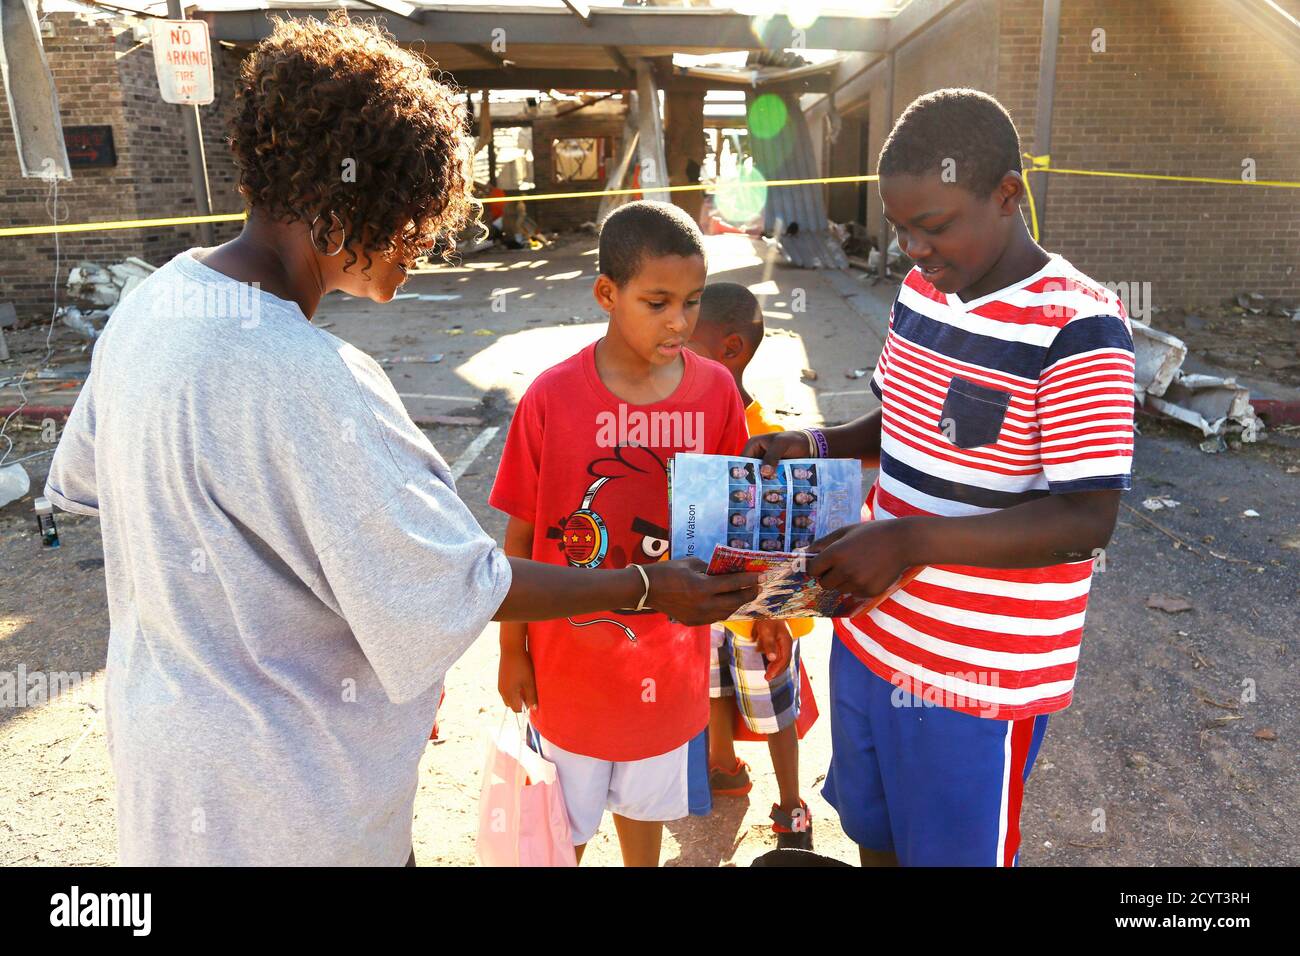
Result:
[
  {"x": 516, "y": 682},
  {"x": 862, "y": 559},
  {"x": 778, "y": 446},
  {"x": 775, "y": 644},
  {"x": 686, "y": 594}
]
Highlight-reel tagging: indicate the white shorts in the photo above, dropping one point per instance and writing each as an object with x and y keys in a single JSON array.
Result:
[{"x": 666, "y": 787}]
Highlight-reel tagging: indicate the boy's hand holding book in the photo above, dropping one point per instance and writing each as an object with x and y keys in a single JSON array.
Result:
[
  {"x": 863, "y": 560},
  {"x": 777, "y": 447}
]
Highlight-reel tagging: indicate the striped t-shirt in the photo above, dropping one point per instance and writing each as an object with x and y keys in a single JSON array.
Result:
[{"x": 987, "y": 404}]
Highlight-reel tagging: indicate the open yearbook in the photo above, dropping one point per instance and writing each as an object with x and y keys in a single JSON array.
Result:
[
  {"x": 725, "y": 513},
  {"x": 718, "y": 499}
]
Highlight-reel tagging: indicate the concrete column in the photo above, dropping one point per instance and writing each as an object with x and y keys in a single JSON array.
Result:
[{"x": 685, "y": 146}]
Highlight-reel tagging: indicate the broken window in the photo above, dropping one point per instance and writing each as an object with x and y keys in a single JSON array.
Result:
[{"x": 579, "y": 160}]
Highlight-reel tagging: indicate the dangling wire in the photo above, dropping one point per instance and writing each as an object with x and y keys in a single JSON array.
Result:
[{"x": 52, "y": 209}]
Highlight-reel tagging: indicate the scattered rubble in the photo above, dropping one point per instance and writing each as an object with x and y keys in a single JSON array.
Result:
[
  {"x": 97, "y": 290},
  {"x": 433, "y": 359},
  {"x": 14, "y": 483},
  {"x": 1159, "y": 503},
  {"x": 1169, "y": 603},
  {"x": 860, "y": 248},
  {"x": 8, "y": 319},
  {"x": 1215, "y": 406},
  {"x": 1257, "y": 338}
]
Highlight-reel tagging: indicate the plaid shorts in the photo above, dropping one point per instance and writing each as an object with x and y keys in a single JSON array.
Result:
[{"x": 737, "y": 667}]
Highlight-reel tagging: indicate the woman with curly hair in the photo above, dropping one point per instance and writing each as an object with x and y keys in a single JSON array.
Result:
[{"x": 290, "y": 572}]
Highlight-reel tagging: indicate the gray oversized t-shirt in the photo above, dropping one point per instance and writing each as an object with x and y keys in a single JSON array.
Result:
[{"x": 289, "y": 571}]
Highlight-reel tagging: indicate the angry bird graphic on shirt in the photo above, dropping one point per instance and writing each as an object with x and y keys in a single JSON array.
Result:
[{"x": 620, "y": 520}]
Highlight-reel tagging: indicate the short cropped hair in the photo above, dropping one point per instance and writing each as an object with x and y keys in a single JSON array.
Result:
[
  {"x": 968, "y": 127},
  {"x": 730, "y": 307},
  {"x": 642, "y": 229}
]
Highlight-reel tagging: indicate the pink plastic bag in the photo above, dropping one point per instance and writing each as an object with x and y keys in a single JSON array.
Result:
[{"x": 521, "y": 816}]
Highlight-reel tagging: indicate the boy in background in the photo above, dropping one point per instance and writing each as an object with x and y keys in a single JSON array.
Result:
[
  {"x": 729, "y": 331},
  {"x": 618, "y": 701},
  {"x": 1004, "y": 441}
]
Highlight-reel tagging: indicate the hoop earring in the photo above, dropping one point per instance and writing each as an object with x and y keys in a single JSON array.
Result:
[{"x": 333, "y": 219}]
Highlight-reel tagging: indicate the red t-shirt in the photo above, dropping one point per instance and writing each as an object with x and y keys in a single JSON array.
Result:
[{"x": 590, "y": 472}]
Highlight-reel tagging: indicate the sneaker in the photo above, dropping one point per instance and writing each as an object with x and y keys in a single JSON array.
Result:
[
  {"x": 730, "y": 783},
  {"x": 792, "y": 834}
]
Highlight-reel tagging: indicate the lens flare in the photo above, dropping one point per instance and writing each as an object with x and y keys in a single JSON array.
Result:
[
  {"x": 767, "y": 116},
  {"x": 803, "y": 14},
  {"x": 741, "y": 197}
]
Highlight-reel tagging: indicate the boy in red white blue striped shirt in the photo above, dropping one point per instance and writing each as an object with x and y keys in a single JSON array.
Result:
[{"x": 1004, "y": 441}]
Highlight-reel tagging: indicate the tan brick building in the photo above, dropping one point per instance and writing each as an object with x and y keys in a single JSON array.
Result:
[
  {"x": 1178, "y": 87},
  {"x": 105, "y": 77},
  {"x": 1184, "y": 87}
]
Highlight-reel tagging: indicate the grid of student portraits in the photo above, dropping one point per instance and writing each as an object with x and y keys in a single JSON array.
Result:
[
  {"x": 775, "y": 514},
  {"x": 742, "y": 489}
]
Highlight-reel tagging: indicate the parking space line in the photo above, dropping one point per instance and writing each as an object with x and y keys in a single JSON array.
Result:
[{"x": 473, "y": 451}]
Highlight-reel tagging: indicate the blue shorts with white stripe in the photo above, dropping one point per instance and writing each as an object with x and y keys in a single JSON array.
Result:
[{"x": 933, "y": 786}]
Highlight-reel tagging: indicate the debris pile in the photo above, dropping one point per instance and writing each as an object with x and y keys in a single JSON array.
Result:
[
  {"x": 860, "y": 248},
  {"x": 1218, "y": 407},
  {"x": 97, "y": 290}
]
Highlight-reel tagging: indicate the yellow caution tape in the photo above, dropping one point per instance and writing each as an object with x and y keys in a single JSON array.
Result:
[
  {"x": 729, "y": 184},
  {"x": 235, "y": 217},
  {"x": 119, "y": 224},
  {"x": 1039, "y": 164},
  {"x": 1042, "y": 164},
  {"x": 1033, "y": 209}
]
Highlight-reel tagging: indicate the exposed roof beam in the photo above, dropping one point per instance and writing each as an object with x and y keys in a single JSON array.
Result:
[
  {"x": 398, "y": 8},
  {"x": 483, "y": 54},
  {"x": 527, "y": 78},
  {"x": 915, "y": 17},
  {"x": 144, "y": 14},
  {"x": 615, "y": 54},
  {"x": 861, "y": 68},
  {"x": 580, "y": 10},
  {"x": 672, "y": 28},
  {"x": 524, "y": 78}
]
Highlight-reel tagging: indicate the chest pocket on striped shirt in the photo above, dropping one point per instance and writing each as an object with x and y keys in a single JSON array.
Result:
[{"x": 972, "y": 413}]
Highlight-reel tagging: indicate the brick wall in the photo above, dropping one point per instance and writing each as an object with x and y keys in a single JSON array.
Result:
[
  {"x": 1182, "y": 88},
  {"x": 959, "y": 50},
  {"x": 560, "y": 214},
  {"x": 104, "y": 78},
  {"x": 160, "y": 179}
]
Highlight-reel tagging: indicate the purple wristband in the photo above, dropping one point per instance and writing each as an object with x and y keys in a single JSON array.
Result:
[{"x": 823, "y": 450}]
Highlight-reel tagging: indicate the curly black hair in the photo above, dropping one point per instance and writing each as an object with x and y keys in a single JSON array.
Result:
[
  {"x": 319, "y": 99},
  {"x": 966, "y": 126}
]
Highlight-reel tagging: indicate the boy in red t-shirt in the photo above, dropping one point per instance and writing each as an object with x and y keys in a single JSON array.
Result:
[{"x": 619, "y": 701}]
